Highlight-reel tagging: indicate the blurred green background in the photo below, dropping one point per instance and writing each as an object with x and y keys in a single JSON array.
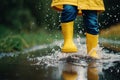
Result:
[{"x": 26, "y": 23}]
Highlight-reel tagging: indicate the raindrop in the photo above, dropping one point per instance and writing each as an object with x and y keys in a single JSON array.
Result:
[
  {"x": 48, "y": 9},
  {"x": 54, "y": 24},
  {"x": 108, "y": 8},
  {"x": 45, "y": 19},
  {"x": 99, "y": 24},
  {"x": 47, "y": 15},
  {"x": 107, "y": 13},
  {"x": 56, "y": 36},
  {"x": 117, "y": 19},
  {"x": 80, "y": 32},
  {"x": 106, "y": 23},
  {"x": 118, "y": 71},
  {"x": 46, "y": 4},
  {"x": 39, "y": 8},
  {"x": 45, "y": 27},
  {"x": 115, "y": 16},
  {"x": 78, "y": 25},
  {"x": 110, "y": 15},
  {"x": 33, "y": 23},
  {"x": 59, "y": 16},
  {"x": 49, "y": 29},
  {"x": 117, "y": 5},
  {"x": 111, "y": 70},
  {"x": 48, "y": 24}
]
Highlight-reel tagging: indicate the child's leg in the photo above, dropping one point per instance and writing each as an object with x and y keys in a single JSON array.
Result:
[
  {"x": 69, "y": 13},
  {"x": 68, "y": 16},
  {"x": 91, "y": 23},
  {"x": 90, "y": 19}
]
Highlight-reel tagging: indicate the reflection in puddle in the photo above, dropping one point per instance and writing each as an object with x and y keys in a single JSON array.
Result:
[
  {"x": 89, "y": 73},
  {"x": 45, "y": 65},
  {"x": 99, "y": 70},
  {"x": 92, "y": 72},
  {"x": 69, "y": 75}
]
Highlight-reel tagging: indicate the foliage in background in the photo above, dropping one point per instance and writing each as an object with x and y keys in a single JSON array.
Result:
[
  {"x": 111, "y": 15},
  {"x": 112, "y": 33},
  {"x": 28, "y": 15},
  {"x": 17, "y": 42}
]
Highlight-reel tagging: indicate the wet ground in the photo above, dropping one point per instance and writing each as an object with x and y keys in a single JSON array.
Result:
[{"x": 44, "y": 64}]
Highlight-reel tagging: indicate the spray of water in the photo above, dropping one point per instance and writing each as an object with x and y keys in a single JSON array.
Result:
[{"x": 54, "y": 58}]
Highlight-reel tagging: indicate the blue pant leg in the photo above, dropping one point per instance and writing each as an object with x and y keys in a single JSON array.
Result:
[
  {"x": 69, "y": 13},
  {"x": 90, "y": 19}
]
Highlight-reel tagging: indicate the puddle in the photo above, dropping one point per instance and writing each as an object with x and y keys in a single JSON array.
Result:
[{"x": 44, "y": 64}]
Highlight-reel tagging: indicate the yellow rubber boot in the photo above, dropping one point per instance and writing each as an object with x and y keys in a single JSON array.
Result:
[
  {"x": 92, "y": 42},
  {"x": 67, "y": 30},
  {"x": 69, "y": 75}
]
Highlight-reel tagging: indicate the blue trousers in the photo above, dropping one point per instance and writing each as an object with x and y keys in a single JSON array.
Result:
[{"x": 90, "y": 18}]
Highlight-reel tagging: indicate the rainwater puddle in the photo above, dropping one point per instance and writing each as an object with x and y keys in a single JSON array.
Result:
[{"x": 44, "y": 64}]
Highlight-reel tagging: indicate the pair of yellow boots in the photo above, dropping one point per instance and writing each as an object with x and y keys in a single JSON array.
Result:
[{"x": 70, "y": 47}]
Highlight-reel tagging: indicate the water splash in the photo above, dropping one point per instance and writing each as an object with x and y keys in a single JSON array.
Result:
[{"x": 53, "y": 58}]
